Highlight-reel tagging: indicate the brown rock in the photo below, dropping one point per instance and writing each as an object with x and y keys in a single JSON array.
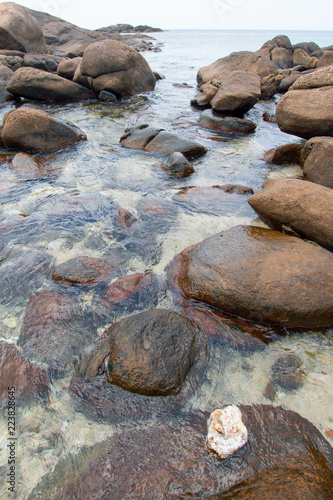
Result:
[
  {"x": 238, "y": 93},
  {"x": 19, "y": 30},
  {"x": 82, "y": 270},
  {"x": 282, "y": 57},
  {"x": 33, "y": 130},
  {"x": 139, "y": 136},
  {"x": 301, "y": 57},
  {"x": 304, "y": 207},
  {"x": 253, "y": 62},
  {"x": 261, "y": 274},
  {"x": 127, "y": 288},
  {"x": 270, "y": 85},
  {"x": 326, "y": 59},
  {"x": 225, "y": 124},
  {"x": 125, "y": 218},
  {"x": 288, "y": 81},
  {"x": 151, "y": 353},
  {"x": 176, "y": 165},
  {"x": 317, "y": 157},
  {"x": 286, "y": 458},
  {"x": 55, "y": 331},
  {"x": 117, "y": 68},
  {"x": 67, "y": 68},
  {"x": 30, "y": 381},
  {"x": 42, "y": 86},
  {"x": 320, "y": 78},
  {"x": 286, "y": 154},
  {"x": 269, "y": 117},
  {"x": 306, "y": 113}
]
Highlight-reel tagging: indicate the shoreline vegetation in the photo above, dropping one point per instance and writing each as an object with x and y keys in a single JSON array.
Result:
[{"x": 238, "y": 289}]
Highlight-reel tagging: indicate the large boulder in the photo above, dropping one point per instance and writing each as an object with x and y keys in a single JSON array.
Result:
[
  {"x": 320, "y": 78},
  {"x": 300, "y": 206},
  {"x": 33, "y": 130},
  {"x": 19, "y": 30},
  {"x": 262, "y": 275},
  {"x": 317, "y": 159},
  {"x": 238, "y": 93},
  {"x": 306, "y": 113},
  {"x": 282, "y": 57},
  {"x": 5, "y": 75},
  {"x": 117, "y": 68},
  {"x": 151, "y": 353},
  {"x": 253, "y": 62},
  {"x": 326, "y": 59},
  {"x": 67, "y": 67},
  {"x": 159, "y": 141},
  {"x": 39, "y": 85}
]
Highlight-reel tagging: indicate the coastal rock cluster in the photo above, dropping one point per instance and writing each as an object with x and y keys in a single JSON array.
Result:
[{"x": 134, "y": 346}]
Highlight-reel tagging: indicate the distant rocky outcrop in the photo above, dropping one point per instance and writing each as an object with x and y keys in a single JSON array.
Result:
[{"x": 128, "y": 28}]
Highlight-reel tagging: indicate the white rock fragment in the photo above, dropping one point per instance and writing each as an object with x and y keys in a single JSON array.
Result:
[{"x": 226, "y": 432}]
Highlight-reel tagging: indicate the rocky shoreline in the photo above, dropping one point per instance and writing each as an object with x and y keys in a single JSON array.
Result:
[{"x": 139, "y": 373}]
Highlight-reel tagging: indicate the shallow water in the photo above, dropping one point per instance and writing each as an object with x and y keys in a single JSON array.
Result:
[{"x": 39, "y": 232}]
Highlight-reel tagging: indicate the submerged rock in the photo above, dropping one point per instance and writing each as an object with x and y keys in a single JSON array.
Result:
[
  {"x": 117, "y": 68},
  {"x": 167, "y": 460},
  {"x": 226, "y": 432},
  {"x": 297, "y": 206},
  {"x": 151, "y": 353},
  {"x": 40, "y": 85},
  {"x": 30, "y": 381},
  {"x": 33, "y": 130},
  {"x": 261, "y": 274},
  {"x": 225, "y": 124},
  {"x": 288, "y": 372},
  {"x": 159, "y": 141},
  {"x": 19, "y": 30},
  {"x": 82, "y": 270},
  {"x": 27, "y": 166}
]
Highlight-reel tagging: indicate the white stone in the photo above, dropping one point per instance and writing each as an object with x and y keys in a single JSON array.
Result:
[{"x": 226, "y": 432}]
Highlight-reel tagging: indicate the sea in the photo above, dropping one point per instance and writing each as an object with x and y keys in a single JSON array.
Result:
[{"x": 50, "y": 432}]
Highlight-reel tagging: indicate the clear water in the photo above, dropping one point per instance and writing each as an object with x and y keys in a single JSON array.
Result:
[{"x": 102, "y": 166}]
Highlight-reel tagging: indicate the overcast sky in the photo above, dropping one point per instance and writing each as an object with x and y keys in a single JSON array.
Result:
[{"x": 193, "y": 14}]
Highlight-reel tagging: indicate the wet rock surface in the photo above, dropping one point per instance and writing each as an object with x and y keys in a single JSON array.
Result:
[
  {"x": 32, "y": 130},
  {"x": 177, "y": 165},
  {"x": 259, "y": 274},
  {"x": 226, "y": 124},
  {"x": 297, "y": 206},
  {"x": 39, "y": 85},
  {"x": 238, "y": 93},
  {"x": 288, "y": 372},
  {"x": 280, "y": 443},
  {"x": 30, "y": 381},
  {"x": 159, "y": 141},
  {"x": 284, "y": 155},
  {"x": 151, "y": 353},
  {"x": 29, "y": 167},
  {"x": 55, "y": 331},
  {"x": 216, "y": 200},
  {"x": 82, "y": 270}
]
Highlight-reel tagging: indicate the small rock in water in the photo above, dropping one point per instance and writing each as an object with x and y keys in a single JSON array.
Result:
[{"x": 226, "y": 432}]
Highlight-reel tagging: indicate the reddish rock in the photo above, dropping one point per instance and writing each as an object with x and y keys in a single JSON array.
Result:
[
  {"x": 127, "y": 288},
  {"x": 176, "y": 165},
  {"x": 31, "y": 382},
  {"x": 125, "y": 218},
  {"x": 303, "y": 207},
  {"x": 286, "y": 154},
  {"x": 263, "y": 275},
  {"x": 55, "y": 331},
  {"x": 82, "y": 270},
  {"x": 269, "y": 117},
  {"x": 151, "y": 353}
]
